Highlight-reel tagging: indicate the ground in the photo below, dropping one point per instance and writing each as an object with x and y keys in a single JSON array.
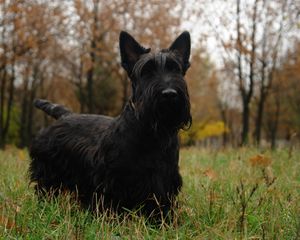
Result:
[{"x": 227, "y": 194}]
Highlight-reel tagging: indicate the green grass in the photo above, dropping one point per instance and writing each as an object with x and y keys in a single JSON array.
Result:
[{"x": 224, "y": 197}]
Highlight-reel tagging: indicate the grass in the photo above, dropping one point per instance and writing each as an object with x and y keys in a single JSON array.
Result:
[{"x": 228, "y": 194}]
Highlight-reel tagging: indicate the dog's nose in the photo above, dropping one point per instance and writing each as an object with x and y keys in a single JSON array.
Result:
[{"x": 169, "y": 93}]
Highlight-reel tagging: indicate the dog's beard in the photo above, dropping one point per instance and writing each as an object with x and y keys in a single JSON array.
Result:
[
  {"x": 174, "y": 113},
  {"x": 165, "y": 114}
]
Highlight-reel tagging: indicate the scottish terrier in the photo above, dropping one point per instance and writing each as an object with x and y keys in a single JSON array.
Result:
[{"x": 127, "y": 162}]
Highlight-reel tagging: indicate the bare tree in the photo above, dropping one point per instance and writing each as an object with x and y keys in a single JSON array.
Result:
[{"x": 278, "y": 19}]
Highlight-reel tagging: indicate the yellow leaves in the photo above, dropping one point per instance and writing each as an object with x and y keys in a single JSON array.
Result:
[
  {"x": 213, "y": 129},
  {"x": 260, "y": 161},
  {"x": 21, "y": 155},
  {"x": 202, "y": 130}
]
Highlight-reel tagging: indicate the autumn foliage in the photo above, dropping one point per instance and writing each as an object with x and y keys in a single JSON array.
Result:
[{"x": 243, "y": 81}]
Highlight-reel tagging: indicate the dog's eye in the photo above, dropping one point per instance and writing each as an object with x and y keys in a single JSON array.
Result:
[
  {"x": 172, "y": 66},
  {"x": 147, "y": 69}
]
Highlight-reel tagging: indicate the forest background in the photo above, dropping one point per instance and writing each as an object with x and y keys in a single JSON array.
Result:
[{"x": 243, "y": 81}]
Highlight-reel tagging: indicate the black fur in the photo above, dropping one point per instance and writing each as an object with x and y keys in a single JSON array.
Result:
[
  {"x": 130, "y": 161},
  {"x": 54, "y": 110}
]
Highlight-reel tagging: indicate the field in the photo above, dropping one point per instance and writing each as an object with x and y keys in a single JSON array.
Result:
[{"x": 227, "y": 194}]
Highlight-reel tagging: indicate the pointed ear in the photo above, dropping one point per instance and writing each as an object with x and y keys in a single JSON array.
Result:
[
  {"x": 182, "y": 47},
  {"x": 130, "y": 51}
]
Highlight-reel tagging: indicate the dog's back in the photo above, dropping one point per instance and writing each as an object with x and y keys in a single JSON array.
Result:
[{"x": 62, "y": 154}]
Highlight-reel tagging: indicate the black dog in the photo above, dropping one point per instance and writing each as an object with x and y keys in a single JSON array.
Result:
[{"x": 130, "y": 161}]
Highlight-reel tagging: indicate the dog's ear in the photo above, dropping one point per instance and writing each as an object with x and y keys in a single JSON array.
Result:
[
  {"x": 130, "y": 51},
  {"x": 182, "y": 47}
]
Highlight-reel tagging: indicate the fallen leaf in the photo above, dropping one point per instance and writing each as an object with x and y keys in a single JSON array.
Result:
[
  {"x": 260, "y": 161},
  {"x": 6, "y": 222},
  {"x": 210, "y": 173}
]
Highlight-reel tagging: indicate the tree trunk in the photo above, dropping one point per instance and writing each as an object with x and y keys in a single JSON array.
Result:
[
  {"x": 9, "y": 104},
  {"x": 275, "y": 125},
  {"x": 90, "y": 78},
  {"x": 2, "y": 97},
  {"x": 224, "y": 119},
  {"x": 91, "y": 71},
  {"x": 30, "y": 117},
  {"x": 80, "y": 87},
  {"x": 245, "y": 122},
  {"x": 24, "y": 110},
  {"x": 3, "y": 74},
  {"x": 248, "y": 93},
  {"x": 259, "y": 117}
]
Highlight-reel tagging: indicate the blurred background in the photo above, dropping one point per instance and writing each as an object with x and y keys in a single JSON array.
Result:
[{"x": 244, "y": 79}]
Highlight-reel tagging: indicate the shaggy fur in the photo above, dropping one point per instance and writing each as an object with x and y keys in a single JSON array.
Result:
[{"x": 130, "y": 161}]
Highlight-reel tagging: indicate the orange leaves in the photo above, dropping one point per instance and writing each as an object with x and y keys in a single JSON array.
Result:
[
  {"x": 210, "y": 174},
  {"x": 7, "y": 223},
  {"x": 264, "y": 163},
  {"x": 260, "y": 161},
  {"x": 14, "y": 7}
]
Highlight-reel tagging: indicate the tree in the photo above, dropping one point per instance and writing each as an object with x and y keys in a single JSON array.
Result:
[
  {"x": 96, "y": 31},
  {"x": 246, "y": 85},
  {"x": 238, "y": 44},
  {"x": 203, "y": 83},
  {"x": 282, "y": 115},
  {"x": 11, "y": 50},
  {"x": 250, "y": 47},
  {"x": 40, "y": 29},
  {"x": 278, "y": 19},
  {"x": 91, "y": 31},
  {"x": 31, "y": 34},
  {"x": 290, "y": 72}
]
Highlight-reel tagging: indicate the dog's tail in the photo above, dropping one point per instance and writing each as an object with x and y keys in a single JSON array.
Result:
[{"x": 54, "y": 110}]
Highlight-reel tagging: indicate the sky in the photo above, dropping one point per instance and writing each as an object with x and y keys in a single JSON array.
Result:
[{"x": 203, "y": 28}]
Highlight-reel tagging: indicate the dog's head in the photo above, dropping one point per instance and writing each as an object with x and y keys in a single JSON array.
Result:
[{"x": 159, "y": 91}]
